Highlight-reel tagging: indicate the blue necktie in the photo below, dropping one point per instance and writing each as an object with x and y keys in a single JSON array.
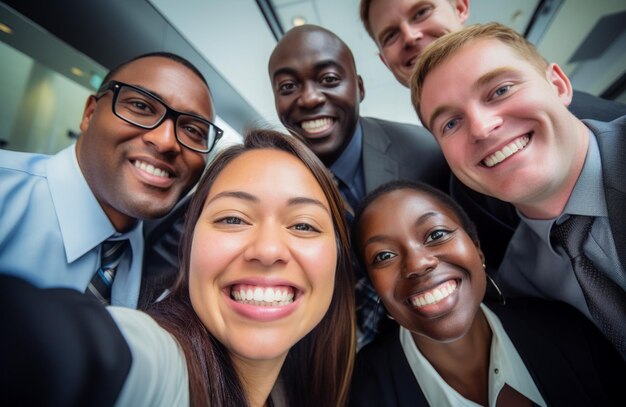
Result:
[{"x": 101, "y": 283}]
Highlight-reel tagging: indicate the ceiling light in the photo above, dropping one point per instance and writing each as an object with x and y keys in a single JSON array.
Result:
[
  {"x": 6, "y": 29},
  {"x": 298, "y": 21},
  {"x": 77, "y": 71}
]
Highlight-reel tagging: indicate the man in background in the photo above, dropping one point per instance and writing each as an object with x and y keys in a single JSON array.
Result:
[{"x": 317, "y": 92}]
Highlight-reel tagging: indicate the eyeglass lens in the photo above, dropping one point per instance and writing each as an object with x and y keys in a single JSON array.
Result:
[{"x": 145, "y": 111}]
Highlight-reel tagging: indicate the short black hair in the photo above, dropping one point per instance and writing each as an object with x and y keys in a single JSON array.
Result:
[{"x": 162, "y": 54}]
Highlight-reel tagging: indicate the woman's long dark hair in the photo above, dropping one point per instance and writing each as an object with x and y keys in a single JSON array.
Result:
[{"x": 317, "y": 369}]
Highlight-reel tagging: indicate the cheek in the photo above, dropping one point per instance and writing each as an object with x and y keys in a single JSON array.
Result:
[{"x": 319, "y": 263}]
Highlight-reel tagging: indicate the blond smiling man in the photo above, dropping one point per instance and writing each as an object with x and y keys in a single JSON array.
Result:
[{"x": 500, "y": 113}]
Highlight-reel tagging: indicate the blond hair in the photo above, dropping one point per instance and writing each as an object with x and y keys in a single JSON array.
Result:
[{"x": 445, "y": 47}]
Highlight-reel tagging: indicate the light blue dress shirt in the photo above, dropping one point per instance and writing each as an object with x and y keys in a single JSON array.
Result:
[{"x": 52, "y": 226}]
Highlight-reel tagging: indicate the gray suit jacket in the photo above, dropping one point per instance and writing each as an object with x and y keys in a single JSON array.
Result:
[
  {"x": 611, "y": 138},
  {"x": 394, "y": 151}
]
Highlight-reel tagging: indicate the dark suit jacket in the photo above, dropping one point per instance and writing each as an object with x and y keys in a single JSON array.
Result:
[
  {"x": 496, "y": 220},
  {"x": 394, "y": 151},
  {"x": 58, "y": 347},
  {"x": 571, "y": 363}
]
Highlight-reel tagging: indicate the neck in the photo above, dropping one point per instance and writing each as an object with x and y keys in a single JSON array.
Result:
[
  {"x": 258, "y": 378},
  {"x": 551, "y": 203},
  {"x": 464, "y": 362}
]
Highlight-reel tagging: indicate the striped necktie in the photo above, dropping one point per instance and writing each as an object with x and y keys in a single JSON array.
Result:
[{"x": 102, "y": 282}]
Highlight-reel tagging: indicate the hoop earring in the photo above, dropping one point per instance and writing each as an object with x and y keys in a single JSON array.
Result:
[
  {"x": 502, "y": 299},
  {"x": 379, "y": 304}
]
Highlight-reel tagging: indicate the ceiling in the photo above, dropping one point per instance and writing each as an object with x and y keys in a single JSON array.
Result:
[
  {"x": 231, "y": 41},
  {"x": 237, "y": 40}
]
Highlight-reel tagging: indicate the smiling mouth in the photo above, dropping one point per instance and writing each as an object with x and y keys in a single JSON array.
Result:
[
  {"x": 411, "y": 62},
  {"x": 262, "y": 296},
  {"x": 434, "y": 295},
  {"x": 317, "y": 126},
  {"x": 151, "y": 169},
  {"x": 507, "y": 151}
]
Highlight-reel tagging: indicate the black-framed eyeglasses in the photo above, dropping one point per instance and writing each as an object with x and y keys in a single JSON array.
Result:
[{"x": 145, "y": 110}]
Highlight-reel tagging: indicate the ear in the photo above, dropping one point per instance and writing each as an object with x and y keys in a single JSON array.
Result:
[
  {"x": 462, "y": 10},
  {"x": 560, "y": 83},
  {"x": 480, "y": 252},
  {"x": 361, "y": 88},
  {"x": 90, "y": 108}
]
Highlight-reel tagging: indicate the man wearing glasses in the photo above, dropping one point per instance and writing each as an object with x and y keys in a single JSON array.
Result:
[{"x": 74, "y": 219}]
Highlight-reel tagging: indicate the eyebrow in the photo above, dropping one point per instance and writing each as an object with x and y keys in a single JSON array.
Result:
[
  {"x": 233, "y": 194},
  {"x": 301, "y": 200},
  {"x": 318, "y": 66},
  {"x": 381, "y": 238},
  {"x": 162, "y": 100},
  {"x": 479, "y": 83},
  {"x": 307, "y": 201},
  {"x": 391, "y": 27}
]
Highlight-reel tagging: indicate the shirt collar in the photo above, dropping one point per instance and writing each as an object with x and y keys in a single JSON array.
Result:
[
  {"x": 504, "y": 357},
  {"x": 587, "y": 197},
  {"x": 78, "y": 209},
  {"x": 348, "y": 163}
]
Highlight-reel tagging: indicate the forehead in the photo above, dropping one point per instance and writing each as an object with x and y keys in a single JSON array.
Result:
[
  {"x": 403, "y": 207},
  {"x": 176, "y": 84},
  {"x": 305, "y": 50},
  {"x": 268, "y": 173}
]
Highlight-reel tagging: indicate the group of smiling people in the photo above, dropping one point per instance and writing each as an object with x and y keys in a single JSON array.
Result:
[{"x": 263, "y": 309}]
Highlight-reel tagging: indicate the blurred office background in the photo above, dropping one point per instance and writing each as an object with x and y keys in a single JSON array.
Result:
[{"x": 55, "y": 53}]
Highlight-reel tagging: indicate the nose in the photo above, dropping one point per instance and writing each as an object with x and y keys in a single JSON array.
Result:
[
  {"x": 483, "y": 123},
  {"x": 311, "y": 96},
  {"x": 163, "y": 137},
  {"x": 268, "y": 245},
  {"x": 419, "y": 262},
  {"x": 410, "y": 34}
]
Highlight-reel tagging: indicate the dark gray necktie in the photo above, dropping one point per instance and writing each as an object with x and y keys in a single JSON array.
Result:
[
  {"x": 101, "y": 283},
  {"x": 605, "y": 299}
]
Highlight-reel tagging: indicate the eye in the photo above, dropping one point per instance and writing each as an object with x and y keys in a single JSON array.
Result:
[
  {"x": 437, "y": 235},
  {"x": 286, "y": 88},
  {"x": 388, "y": 38},
  {"x": 135, "y": 106},
  {"x": 194, "y": 133},
  {"x": 230, "y": 220},
  {"x": 423, "y": 13},
  {"x": 330, "y": 79},
  {"x": 383, "y": 256},
  {"x": 500, "y": 91},
  {"x": 450, "y": 125},
  {"x": 304, "y": 227}
]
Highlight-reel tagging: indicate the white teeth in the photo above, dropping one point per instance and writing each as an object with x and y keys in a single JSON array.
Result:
[
  {"x": 507, "y": 151},
  {"x": 434, "y": 295},
  {"x": 151, "y": 169},
  {"x": 263, "y": 296},
  {"x": 317, "y": 125}
]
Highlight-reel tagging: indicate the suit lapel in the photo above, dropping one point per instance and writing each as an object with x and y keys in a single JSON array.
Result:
[
  {"x": 611, "y": 139},
  {"x": 378, "y": 167}
]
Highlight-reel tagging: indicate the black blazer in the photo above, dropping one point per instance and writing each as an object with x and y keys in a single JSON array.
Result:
[
  {"x": 58, "y": 347},
  {"x": 570, "y": 361}
]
